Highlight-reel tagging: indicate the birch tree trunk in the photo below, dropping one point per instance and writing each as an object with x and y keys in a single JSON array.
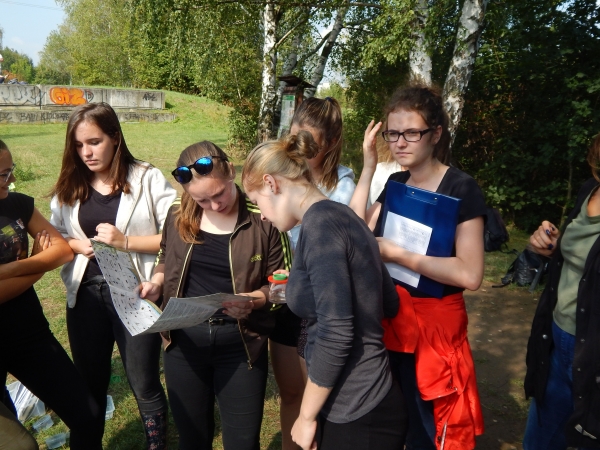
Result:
[
  {"x": 269, "y": 94},
  {"x": 418, "y": 56},
  {"x": 463, "y": 60},
  {"x": 319, "y": 70}
]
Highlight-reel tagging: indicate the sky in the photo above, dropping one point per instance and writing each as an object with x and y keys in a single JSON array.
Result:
[{"x": 27, "y": 24}]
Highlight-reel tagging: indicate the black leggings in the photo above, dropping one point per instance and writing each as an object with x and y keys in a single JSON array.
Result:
[
  {"x": 94, "y": 326},
  {"x": 383, "y": 428},
  {"x": 207, "y": 361},
  {"x": 38, "y": 361}
]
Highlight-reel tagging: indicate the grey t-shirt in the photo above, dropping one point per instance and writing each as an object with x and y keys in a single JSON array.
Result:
[{"x": 339, "y": 284}]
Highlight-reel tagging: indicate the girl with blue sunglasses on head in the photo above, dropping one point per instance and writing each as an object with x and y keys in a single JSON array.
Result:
[
  {"x": 104, "y": 193},
  {"x": 216, "y": 241}
]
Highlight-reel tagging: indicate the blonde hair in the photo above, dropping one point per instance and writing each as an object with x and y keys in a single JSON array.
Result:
[
  {"x": 325, "y": 116},
  {"x": 189, "y": 213},
  {"x": 285, "y": 157}
]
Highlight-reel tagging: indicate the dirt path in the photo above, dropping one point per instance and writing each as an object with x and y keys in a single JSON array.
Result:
[{"x": 499, "y": 325}]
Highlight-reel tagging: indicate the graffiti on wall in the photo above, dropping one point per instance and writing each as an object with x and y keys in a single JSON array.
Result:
[
  {"x": 19, "y": 95},
  {"x": 70, "y": 96}
]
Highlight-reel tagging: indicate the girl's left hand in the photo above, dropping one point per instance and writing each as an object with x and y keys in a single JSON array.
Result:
[
  {"x": 239, "y": 310},
  {"x": 109, "y": 234},
  {"x": 41, "y": 242},
  {"x": 388, "y": 249},
  {"x": 303, "y": 433}
]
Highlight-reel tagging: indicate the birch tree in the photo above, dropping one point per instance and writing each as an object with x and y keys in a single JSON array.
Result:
[
  {"x": 268, "y": 93},
  {"x": 463, "y": 60},
  {"x": 418, "y": 56}
]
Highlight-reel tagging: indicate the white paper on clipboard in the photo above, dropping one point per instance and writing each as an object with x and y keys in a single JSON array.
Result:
[{"x": 410, "y": 235}]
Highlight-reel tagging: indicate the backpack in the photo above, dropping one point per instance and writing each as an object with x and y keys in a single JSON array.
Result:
[
  {"x": 526, "y": 270},
  {"x": 494, "y": 231}
]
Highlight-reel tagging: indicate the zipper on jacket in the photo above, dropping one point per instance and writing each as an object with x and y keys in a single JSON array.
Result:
[
  {"x": 235, "y": 292},
  {"x": 187, "y": 256}
]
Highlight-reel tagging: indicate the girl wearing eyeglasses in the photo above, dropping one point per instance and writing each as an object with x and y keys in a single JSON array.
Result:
[
  {"x": 427, "y": 341},
  {"x": 28, "y": 349},
  {"x": 215, "y": 241},
  {"x": 104, "y": 193}
]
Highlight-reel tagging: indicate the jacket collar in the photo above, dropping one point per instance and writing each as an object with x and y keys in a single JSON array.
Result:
[{"x": 243, "y": 212}]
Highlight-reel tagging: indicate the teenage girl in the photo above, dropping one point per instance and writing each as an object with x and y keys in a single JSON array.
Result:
[
  {"x": 339, "y": 285},
  {"x": 215, "y": 241},
  {"x": 28, "y": 349},
  {"x": 427, "y": 341},
  {"x": 104, "y": 193},
  {"x": 323, "y": 119}
]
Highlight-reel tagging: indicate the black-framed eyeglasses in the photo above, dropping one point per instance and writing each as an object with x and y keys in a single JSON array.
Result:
[
  {"x": 202, "y": 166},
  {"x": 409, "y": 135},
  {"x": 5, "y": 176}
]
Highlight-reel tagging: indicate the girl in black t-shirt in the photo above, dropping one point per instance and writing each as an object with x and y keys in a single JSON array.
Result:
[
  {"x": 427, "y": 341},
  {"x": 28, "y": 350}
]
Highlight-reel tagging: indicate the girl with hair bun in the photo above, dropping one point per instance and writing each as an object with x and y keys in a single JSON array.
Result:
[
  {"x": 340, "y": 286},
  {"x": 427, "y": 341},
  {"x": 215, "y": 241},
  {"x": 322, "y": 118}
]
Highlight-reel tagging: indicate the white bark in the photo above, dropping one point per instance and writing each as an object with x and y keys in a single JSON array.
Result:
[
  {"x": 418, "y": 57},
  {"x": 319, "y": 69},
  {"x": 463, "y": 60},
  {"x": 269, "y": 94}
]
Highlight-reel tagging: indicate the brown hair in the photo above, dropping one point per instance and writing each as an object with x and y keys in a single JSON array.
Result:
[
  {"x": 593, "y": 157},
  {"x": 189, "y": 213},
  {"x": 3, "y": 146},
  {"x": 324, "y": 115},
  {"x": 74, "y": 178},
  {"x": 428, "y": 103},
  {"x": 285, "y": 157}
]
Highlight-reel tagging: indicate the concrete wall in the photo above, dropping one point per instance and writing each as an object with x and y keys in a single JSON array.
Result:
[
  {"x": 19, "y": 95},
  {"x": 62, "y": 116},
  {"x": 12, "y": 95}
]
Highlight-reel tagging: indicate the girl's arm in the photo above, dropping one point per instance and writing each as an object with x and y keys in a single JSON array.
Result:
[
  {"x": 464, "y": 270},
  {"x": 305, "y": 427},
  {"x": 359, "y": 200},
  {"x": 109, "y": 234},
  {"x": 57, "y": 254}
]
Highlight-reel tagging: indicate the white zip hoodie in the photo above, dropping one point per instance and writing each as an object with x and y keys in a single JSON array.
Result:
[{"x": 141, "y": 213}]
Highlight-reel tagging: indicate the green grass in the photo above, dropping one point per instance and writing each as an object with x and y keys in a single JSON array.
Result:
[
  {"x": 37, "y": 150},
  {"x": 497, "y": 263}
]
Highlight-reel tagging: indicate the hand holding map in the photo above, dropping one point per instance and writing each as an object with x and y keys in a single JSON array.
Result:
[{"x": 141, "y": 316}]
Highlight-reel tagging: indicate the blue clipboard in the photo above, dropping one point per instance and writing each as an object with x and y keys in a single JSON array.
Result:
[{"x": 437, "y": 211}]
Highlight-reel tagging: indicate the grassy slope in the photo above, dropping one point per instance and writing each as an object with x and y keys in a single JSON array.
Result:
[{"x": 37, "y": 150}]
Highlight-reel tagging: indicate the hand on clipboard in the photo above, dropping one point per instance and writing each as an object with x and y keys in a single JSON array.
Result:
[{"x": 421, "y": 222}]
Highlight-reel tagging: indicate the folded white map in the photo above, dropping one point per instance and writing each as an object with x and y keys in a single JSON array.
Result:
[{"x": 142, "y": 316}]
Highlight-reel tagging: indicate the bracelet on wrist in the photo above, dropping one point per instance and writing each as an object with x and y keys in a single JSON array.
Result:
[{"x": 126, "y": 242}]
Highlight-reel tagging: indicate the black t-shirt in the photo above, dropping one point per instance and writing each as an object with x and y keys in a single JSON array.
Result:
[
  {"x": 95, "y": 210},
  {"x": 457, "y": 184},
  {"x": 209, "y": 271},
  {"x": 23, "y": 314}
]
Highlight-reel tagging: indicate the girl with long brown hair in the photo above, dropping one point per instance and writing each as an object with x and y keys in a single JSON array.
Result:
[
  {"x": 427, "y": 341},
  {"x": 104, "y": 193},
  {"x": 215, "y": 241}
]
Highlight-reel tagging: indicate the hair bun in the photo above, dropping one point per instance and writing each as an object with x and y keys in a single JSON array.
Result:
[{"x": 301, "y": 146}]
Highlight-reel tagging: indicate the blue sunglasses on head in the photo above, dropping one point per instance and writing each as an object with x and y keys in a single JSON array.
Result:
[{"x": 202, "y": 166}]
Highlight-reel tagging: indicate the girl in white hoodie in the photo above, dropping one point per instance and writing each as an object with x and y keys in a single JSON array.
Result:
[{"x": 104, "y": 193}]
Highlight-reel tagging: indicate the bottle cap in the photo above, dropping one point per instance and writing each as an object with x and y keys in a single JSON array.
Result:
[{"x": 278, "y": 278}]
